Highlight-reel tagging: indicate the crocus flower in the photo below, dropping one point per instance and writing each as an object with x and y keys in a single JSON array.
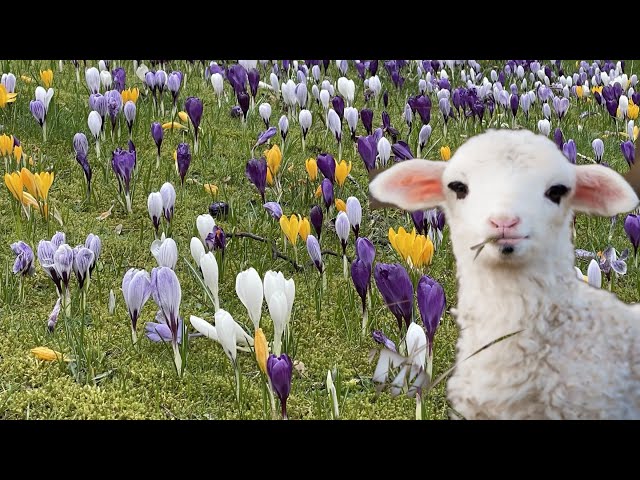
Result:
[
  {"x": 209, "y": 267},
  {"x": 366, "y": 116},
  {"x": 423, "y": 107},
  {"x": 274, "y": 209},
  {"x": 165, "y": 251},
  {"x": 569, "y": 150},
  {"x": 184, "y": 160},
  {"x": 631, "y": 228},
  {"x": 384, "y": 150},
  {"x": 628, "y": 151},
  {"x": 250, "y": 292},
  {"x": 416, "y": 250},
  {"x": 365, "y": 251},
  {"x": 316, "y": 217},
  {"x": 159, "y": 331},
  {"x": 265, "y": 136},
  {"x": 193, "y": 106},
  {"x": 53, "y": 317},
  {"x": 63, "y": 263},
  {"x": 92, "y": 77},
  {"x": 243, "y": 101},
  {"x": 219, "y": 209},
  {"x": 558, "y": 138},
  {"x": 167, "y": 293},
  {"x": 544, "y": 127},
  {"x": 354, "y": 213},
  {"x": 594, "y": 274},
  {"x": 423, "y": 137},
  {"x": 368, "y": 150},
  {"x": 216, "y": 240},
  {"x": 431, "y": 303},
  {"x": 312, "y": 168},
  {"x": 45, "y": 251},
  {"x": 256, "y": 172},
  {"x": 279, "y": 293},
  {"x": 168, "y": 200},
  {"x": 327, "y": 165},
  {"x": 82, "y": 260},
  {"x": 335, "y": 125},
  {"x": 280, "y": 370},
  {"x": 313, "y": 247},
  {"x": 136, "y": 289},
  {"x": 154, "y": 206},
  {"x": 382, "y": 339},
  {"x": 304, "y": 118},
  {"x": 402, "y": 151},
  {"x": 130, "y": 115},
  {"x": 123, "y": 163},
  {"x": 119, "y": 78},
  {"x": 342, "y": 171},
  {"x": 327, "y": 192},
  {"x": 394, "y": 284},
  {"x": 342, "y": 229},
  {"x": 283, "y": 126},
  {"x": 265, "y": 114},
  {"x": 24, "y": 259},
  {"x": 361, "y": 277},
  {"x": 598, "y": 149}
]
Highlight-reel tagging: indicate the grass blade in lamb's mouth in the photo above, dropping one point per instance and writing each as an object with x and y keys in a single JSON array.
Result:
[{"x": 481, "y": 245}]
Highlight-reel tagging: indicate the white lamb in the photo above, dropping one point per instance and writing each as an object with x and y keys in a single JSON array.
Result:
[{"x": 578, "y": 353}]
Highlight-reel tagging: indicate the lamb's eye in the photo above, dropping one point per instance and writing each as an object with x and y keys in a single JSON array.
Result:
[
  {"x": 556, "y": 192},
  {"x": 460, "y": 188}
]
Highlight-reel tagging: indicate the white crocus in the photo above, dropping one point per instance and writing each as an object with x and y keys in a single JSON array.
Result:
[
  {"x": 278, "y": 310},
  {"x": 165, "y": 251},
  {"x": 250, "y": 293},
  {"x": 105, "y": 79},
  {"x": 273, "y": 79},
  {"x": 594, "y": 274},
  {"x": 265, "y": 113},
  {"x": 354, "y": 213},
  {"x": 209, "y": 267},
  {"x": 243, "y": 339},
  {"x": 197, "y": 250},
  {"x": 218, "y": 86},
  {"x": 141, "y": 71},
  {"x": 544, "y": 127},
  {"x": 92, "y": 77},
  {"x": 384, "y": 150},
  {"x": 95, "y": 125},
  {"x": 305, "y": 124},
  {"x": 205, "y": 224},
  {"x": 347, "y": 89},
  {"x": 154, "y": 206},
  {"x": 351, "y": 116}
]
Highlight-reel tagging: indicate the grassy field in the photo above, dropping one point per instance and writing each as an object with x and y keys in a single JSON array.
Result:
[{"x": 113, "y": 379}]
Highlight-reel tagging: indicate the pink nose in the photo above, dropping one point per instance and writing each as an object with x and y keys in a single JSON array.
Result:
[{"x": 504, "y": 222}]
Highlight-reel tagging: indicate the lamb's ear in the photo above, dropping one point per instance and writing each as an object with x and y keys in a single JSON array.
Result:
[
  {"x": 602, "y": 191},
  {"x": 410, "y": 185}
]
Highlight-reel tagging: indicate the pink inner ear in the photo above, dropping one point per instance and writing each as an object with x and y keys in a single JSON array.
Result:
[
  {"x": 594, "y": 191},
  {"x": 419, "y": 189}
]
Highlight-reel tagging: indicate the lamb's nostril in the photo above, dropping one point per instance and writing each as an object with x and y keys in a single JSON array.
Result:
[{"x": 504, "y": 222}]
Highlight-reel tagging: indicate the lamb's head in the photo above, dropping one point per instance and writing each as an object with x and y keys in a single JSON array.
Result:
[{"x": 513, "y": 186}]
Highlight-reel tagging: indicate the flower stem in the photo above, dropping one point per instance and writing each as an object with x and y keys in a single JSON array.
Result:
[
  {"x": 365, "y": 319},
  {"x": 418, "y": 406}
]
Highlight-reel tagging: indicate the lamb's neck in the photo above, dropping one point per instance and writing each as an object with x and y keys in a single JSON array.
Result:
[{"x": 506, "y": 297}]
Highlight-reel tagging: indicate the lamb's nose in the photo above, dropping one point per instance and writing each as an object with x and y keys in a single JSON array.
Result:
[{"x": 504, "y": 222}]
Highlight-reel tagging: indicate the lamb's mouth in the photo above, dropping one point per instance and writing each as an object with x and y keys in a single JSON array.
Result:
[
  {"x": 509, "y": 240},
  {"x": 505, "y": 244}
]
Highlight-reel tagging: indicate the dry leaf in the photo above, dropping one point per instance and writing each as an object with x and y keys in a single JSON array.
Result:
[
  {"x": 104, "y": 215},
  {"x": 118, "y": 229},
  {"x": 299, "y": 367},
  {"x": 226, "y": 179},
  {"x": 57, "y": 216},
  {"x": 44, "y": 353}
]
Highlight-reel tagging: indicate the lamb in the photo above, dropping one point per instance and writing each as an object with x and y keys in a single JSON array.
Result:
[{"x": 577, "y": 353}]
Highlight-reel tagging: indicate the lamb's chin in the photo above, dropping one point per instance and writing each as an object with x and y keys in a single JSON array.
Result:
[{"x": 506, "y": 255}]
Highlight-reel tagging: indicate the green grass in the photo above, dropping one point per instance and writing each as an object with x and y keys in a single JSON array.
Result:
[{"x": 141, "y": 383}]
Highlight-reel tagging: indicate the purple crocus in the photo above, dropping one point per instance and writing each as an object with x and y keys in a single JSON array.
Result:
[
  {"x": 368, "y": 150},
  {"x": 327, "y": 165},
  {"x": 280, "y": 370},
  {"x": 37, "y": 110},
  {"x": 167, "y": 293},
  {"x": 123, "y": 163},
  {"x": 119, "y": 77},
  {"x": 45, "y": 251},
  {"x": 254, "y": 79},
  {"x": 560, "y": 105},
  {"x": 81, "y": 147},
  {"x": 274, "y": 209},
  {"x": 159, "y": 331},
  {"x": 631, "y": 228},
  {"x": 558, "y": 138},
  {"x": 174, "y": 82},
  {"x": 136, "y": 289},
  {"x": 423, "y": 107},
  {"x": 313, "y": 247},
  {"x": 158, "y": 134},
  {"x": 243, "y": 100},
  {"x": 365, "y": 251},
  {"x": 94, "y": 244},
  {"x": 420, "y": 221},
  {"x": 338, "y": 106},
  {"x": 316, "y": 217},
  {"x": 216, "y": 240},
  {"x": 236, "y": 112},
  {"x": 53, "y": 317},
  {"x": 431, "y": 303},
  {"x": 628, "y": 151},
  {"x": 327, "y": 193},
  {"x": 569, "y": 150},
  {"x": 396, "y": 289},
  {"x": 193, "y": 106},
  {"x": 114, "y": 106},
  {"x": 366, "y": 116},
  {"x": 237, "y": 76},
  {"x": 24, "y": 263},
  {"x": 513, "y": 103},
  {"x": 402, "y": 151},
  {"x": 256, "y": 172},
  {"x": 219, "y": 209},
  {"x": 82, "y": 260},
  {"x": 184, "y": 160},
  {"x": 361, "y": 277},
  {"x": 168, "y": 194},
  {"x": 265, "y": 136},
  {"x": 382, "y": 339}
]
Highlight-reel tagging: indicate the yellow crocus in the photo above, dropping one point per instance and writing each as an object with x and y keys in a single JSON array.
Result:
[
  {"x": 274, "y": 159},
  {"x": 312, "y": 168},
  {"x": 416, "y": 250},
  {"x": 14, "y": 184},
  {"x": 342, "y": 170},
  {"x": 6, "y": 145},
  {"x": 29, "y": 181},
  {"x": 44, "y": 180},
  {"x": 183, "y": 116},
  {"x": 130, "y": 94},
  {"x": 633, "y": 111},
  {"x": 290, "y": 227},
  {"x": 304, "y": 229},
  {"x": 29, "y": 200},
  {"x": 340, "y": 205},
  {"x": 318, "y": 193},
  {"x": 579, "y": 91},
  {"x": 44, "y": 353},
  {"x": 445, "y": 153},
  {"x": 262, "y": 350},
  {"x": 172, "y": 125},
  {"x": 26, "y": 78},
  {"x": 269, "y": 177},
  {"x": 211, "y": 189},
  {"x": 6, "y": 97},
  {"x": 17, "y": 153},
  {"x": 597, "y": 89},
  {"x": 47, "y": 77}
]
